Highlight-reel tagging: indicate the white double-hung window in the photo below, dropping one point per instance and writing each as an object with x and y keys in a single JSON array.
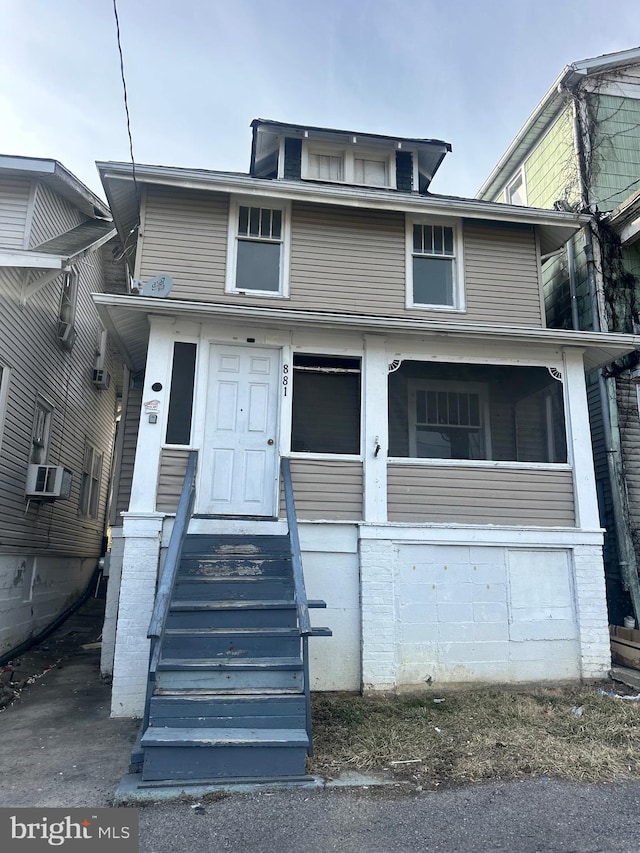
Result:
[
  {"x": 258, "y": 248},
  {"x": 434, "y": 265}
]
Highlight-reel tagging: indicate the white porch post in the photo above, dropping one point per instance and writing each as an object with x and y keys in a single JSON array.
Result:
[
  {"x": 376, "y": 429},
  {"x": 579, "y": 439},
  {"x": 142, "y": 532},
  {"x": 588, "y": 566},
  {"x": 150, "y": 435},
  {"x": 142, "y": 536}
]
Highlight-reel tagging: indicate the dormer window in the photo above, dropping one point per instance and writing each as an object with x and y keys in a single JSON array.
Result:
[
  {"x": 516, "y": 192},
  {"x": 367, "y": 168}
]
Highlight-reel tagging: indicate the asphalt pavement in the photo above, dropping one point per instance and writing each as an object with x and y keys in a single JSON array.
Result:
[{"x": 60, "y": 748}]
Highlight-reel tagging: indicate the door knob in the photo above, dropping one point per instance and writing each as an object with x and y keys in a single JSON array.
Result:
[{"x": 270, "y": 441}]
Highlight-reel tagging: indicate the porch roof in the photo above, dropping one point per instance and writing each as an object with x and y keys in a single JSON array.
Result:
[{"x": 126, "y": 318}]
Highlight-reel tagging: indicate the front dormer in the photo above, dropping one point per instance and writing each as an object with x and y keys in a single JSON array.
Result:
[{"x": 323, "y": 155}]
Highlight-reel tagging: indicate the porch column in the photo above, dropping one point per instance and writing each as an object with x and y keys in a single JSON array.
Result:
[
  {"x": 579, "y": 440},
  {"x": 142, "y": 535},
  {"x": 151, "y": 434},
  {"x": 376, "y": 429}
]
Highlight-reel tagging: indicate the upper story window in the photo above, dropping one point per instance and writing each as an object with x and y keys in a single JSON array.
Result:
[
  {"x": 368, "y": 168},
  {"x": 67, "y": 310},
  {"x": 41, "y": 433},
  {"x": 434, "y": 265},
  {"x": 90, "y": 485},
  {"x": 258, "y": 248},
  {"x": 516, "y": 192},
  {"x": 4, "y": 393}
]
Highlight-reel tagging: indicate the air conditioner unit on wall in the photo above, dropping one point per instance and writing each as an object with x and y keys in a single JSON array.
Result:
[
  {"x": 48, "y": 482},
  {"x": 66, "y": 334},
  {"x": 101, "y": 378}
]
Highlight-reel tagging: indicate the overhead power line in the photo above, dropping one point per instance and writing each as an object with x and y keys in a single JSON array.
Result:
[{"x": 126, "y": 109}]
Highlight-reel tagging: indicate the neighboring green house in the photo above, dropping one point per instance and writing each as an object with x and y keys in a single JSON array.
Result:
[{"x": 580, "y": 150}]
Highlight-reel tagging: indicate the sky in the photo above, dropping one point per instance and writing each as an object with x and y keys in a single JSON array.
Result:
[{"x": 198, "y": 71}]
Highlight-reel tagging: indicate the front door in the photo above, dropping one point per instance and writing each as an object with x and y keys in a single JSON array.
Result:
[{"x": 239, "y": 465}]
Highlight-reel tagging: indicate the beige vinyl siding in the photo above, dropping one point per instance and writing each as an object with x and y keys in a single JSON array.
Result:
[
  {"x": 501, "y": 276},
  {"x": 342, "y": 259},
  {"x": 173, "y": 467},
  {"x": 441, "y": 494},
  {"x": 130, "y": 423},
  {"x": 39, "y": 365},
  {"x": 52, "y": 216},
  {"x": 327, "y": 490},
  {"x": 185, "y": 236},
  {"x": 14, "y": 205}
]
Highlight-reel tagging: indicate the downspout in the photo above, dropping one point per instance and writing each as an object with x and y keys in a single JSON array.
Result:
[{"x": 607, "y": 387}]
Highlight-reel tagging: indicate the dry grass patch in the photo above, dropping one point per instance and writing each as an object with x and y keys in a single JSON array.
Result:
[{"x": 478, "y": 735}]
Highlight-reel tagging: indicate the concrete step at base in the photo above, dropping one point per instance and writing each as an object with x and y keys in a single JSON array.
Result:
[{"x": 181, "y": 754}]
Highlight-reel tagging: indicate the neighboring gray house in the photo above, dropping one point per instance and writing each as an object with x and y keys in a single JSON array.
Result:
[
  {"x": 580, "y": 150},
  {"x": 58, "y": 391}
]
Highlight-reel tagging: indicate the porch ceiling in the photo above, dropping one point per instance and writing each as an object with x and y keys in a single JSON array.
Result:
[{"x": 126, "y": 318}]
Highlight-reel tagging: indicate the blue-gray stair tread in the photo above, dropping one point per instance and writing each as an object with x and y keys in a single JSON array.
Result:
[
  {"x": 321, "y": 632},
  {"x": 233, "y": 632},
  {"x": 248, "y": 604},
  {"x": 220, "y": 692},
  {"x": 167, "y": 736},
  {"x": 208, "y": 545},
  {"x": 231, "y": 663}
]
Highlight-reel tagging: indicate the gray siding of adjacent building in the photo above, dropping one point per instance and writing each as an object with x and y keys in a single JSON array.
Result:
[
  {"x": 130, "y": 424},
  {"x": 14, "y": 206},
  {"x": 52, "y": 216},
  {"x": 345, "y": 259}
]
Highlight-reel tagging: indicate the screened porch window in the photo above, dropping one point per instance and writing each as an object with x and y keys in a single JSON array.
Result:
[
  {"x": 448, "y": 420},
  {"x": 326, "y": 404},
  {"x": 475, "y": 412}
]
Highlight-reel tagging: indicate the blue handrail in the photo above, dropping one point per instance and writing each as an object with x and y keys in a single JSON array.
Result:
[
  {"x": 169, "y": 572},
  {"x": 300, "y": 592}
]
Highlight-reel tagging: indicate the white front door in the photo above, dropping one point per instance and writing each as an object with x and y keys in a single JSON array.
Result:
[{"x": 239, "y": 455}]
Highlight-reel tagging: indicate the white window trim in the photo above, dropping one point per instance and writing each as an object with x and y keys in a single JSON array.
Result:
[
  {"x": 349, "y": 155},
  {"x": 48, "y": 408},
  {"x": 232, "y": 244},
  {"x": 458, "y": 306},
  {"x": 518, "y": 176},
  {"x": 70, "y": 275},
  {"x": 5, "y": 379},
  {"x": 479, "y": 388},
  {"x": 95, "y": 452}
]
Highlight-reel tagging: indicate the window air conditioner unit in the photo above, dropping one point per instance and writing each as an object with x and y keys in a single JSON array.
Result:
[
  {"x": 48, "y": 482},
  {"x": 101, "y": 378},
  {"x": 66, "y": 334}
]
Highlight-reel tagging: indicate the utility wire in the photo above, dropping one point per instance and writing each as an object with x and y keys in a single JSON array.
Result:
[{"x": 126, "y": 109}]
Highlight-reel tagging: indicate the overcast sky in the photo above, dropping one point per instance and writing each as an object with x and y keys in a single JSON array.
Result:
[{"x": 466, "y": 71}]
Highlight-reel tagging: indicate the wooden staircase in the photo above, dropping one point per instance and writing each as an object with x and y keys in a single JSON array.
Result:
[{"x": 228, "y": 697}]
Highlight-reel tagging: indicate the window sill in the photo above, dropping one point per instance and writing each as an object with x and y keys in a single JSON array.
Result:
[
  {"x": 270, "y": 294},
  {"x": 449, "y": 309},
  {"x": 319, "y": 457},
  {"x": 479, "y": 463}
]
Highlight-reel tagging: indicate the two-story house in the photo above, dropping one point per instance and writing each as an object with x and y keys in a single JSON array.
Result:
[
  {"x": 58, "y": 385},
  {"x": 580, "y": 150},
  {"x": 389, "y": 344}
]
